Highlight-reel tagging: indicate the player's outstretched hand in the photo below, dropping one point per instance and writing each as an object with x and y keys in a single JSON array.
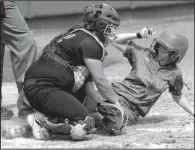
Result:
[{"x": 147, "y": 32}]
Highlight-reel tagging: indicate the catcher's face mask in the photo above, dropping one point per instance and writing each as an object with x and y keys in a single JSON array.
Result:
[
  {"x": 164, "y": 54},
  {"x": 109, "y": 33}
]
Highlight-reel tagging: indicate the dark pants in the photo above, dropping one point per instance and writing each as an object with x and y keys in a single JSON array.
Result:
[
  {"x": 16, "y": 35},
  {"x": 2, "y": 50},
  {"x": 54, "y": 102}
]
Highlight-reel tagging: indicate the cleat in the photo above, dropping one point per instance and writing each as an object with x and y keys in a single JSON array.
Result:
[
  {"x": 5, "y": 113},
  {"x": 39, "y": 132},
  {"x": 18, "y": 131},
  {"x": 89, "y": 124}
]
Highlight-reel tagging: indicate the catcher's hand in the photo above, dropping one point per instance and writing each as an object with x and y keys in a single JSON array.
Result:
[
  {"x": 114, "y": 118},
  {"x": 79, "y": 76},
  {"x": 146, "y": 32}
]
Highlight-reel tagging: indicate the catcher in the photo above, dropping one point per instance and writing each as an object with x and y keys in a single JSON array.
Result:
[{"x": 55, "y": 85}]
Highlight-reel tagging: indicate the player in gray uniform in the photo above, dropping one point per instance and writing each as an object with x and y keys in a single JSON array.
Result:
[{"x": 153, "y": 71}]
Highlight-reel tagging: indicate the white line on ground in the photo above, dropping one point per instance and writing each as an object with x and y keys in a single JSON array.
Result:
[
  {"x": 150, "y": 145},
  {"x": 187, "y": 128},
  {"x": 161, "y": 114}
]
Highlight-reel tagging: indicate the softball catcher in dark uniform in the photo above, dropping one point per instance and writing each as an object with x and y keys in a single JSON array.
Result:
[{"x": 55, "y": 85}]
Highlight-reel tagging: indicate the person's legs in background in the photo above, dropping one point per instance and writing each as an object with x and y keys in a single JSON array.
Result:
[
  {"x": 19, "y": 39},
  {"x": 5, "y": 113}
]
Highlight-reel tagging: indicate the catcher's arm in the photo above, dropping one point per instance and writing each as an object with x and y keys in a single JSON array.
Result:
[
  {"x": 92, "y": 93},
  {"x": 183, "y": 102},
  {"x": 96, "y": 70}
]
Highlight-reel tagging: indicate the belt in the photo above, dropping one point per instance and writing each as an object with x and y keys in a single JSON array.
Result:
[
  {"x": 30, "y": 82},
  {"x": 62, "y": 61}
]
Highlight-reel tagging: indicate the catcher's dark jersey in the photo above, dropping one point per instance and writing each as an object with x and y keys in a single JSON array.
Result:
[
  {"x": 72, "y": 47},
  {"x": 78, "y": 44},
  {"x": 147, "y": 80}
]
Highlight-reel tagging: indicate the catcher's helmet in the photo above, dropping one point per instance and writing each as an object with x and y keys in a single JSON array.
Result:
[
  {"x": 101, "y": 18},
  {"x": 172, "y": 43}
]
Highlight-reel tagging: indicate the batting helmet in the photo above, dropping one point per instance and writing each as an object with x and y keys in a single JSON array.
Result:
[{"x": 172, "y": 43}]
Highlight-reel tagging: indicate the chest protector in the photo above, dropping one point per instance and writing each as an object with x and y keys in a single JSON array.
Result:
[
  {"x": 95, "y": 38},
  {"x": 51, "y": 48}
]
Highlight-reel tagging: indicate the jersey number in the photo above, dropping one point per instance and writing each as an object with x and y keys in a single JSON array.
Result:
[{"x": 66, "y": 37}]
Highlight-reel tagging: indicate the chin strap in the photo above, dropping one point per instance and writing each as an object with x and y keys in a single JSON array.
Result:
[{"x": 187, "y": 86}]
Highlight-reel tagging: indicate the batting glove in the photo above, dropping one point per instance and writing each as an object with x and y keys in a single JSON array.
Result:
[{"x": 145, "y": 32}]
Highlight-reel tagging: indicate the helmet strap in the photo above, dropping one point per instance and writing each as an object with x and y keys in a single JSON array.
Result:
[
  {"x": 107, "y": 33},
  {"x": 94, "y": 10}
]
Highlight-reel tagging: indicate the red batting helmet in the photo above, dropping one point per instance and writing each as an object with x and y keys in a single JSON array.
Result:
[{"x": 173, "y": 43}]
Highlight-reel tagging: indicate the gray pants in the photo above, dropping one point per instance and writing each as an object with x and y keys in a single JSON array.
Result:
[
  {"x": 130, "y": 110},
  {"x": 16, "y": 35}
]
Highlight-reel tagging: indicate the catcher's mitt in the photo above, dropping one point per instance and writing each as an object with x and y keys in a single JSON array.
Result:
[{"x": 114, "y": 119}]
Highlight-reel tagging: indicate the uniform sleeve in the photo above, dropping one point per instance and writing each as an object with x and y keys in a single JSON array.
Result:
[
  {"x": 133, "y": 51},
  {"x": 130, "y": 53},
  {"x": 91, "y": 49},
  {"x": 176, "y": 87}
]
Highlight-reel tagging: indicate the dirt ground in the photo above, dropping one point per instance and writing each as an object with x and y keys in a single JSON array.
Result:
[{"x": 166, "y": 125}]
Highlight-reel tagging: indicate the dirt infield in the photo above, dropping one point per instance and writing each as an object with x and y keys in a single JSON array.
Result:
[{"x": 166, "y": 125}]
